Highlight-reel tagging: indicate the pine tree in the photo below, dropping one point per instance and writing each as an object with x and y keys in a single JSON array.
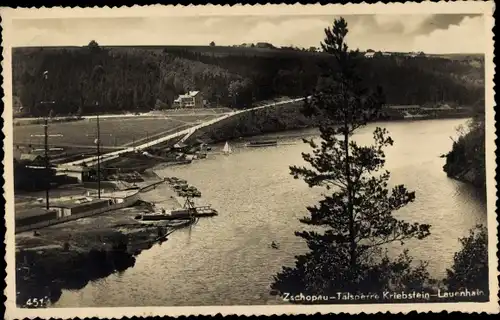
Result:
[
  {"x": 93, "y": 46},
  {"x": 357, "y": 216}
]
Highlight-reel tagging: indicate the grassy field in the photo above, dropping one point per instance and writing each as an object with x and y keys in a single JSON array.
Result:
[{"x": 115, "y": 132}]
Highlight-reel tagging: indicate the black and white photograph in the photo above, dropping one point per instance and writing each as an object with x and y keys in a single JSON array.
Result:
[{"x": 262, "y": 156}]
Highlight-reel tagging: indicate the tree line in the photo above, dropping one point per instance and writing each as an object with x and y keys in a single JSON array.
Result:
[{"x": 84, "y": 80}]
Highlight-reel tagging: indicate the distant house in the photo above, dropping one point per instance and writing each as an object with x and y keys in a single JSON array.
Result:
[
  {"x": 370, "y": 55},
  {"x": 264, "y": 45},
  {"x": 192, "y": 99},
  {"x": 386, "y": 54}
]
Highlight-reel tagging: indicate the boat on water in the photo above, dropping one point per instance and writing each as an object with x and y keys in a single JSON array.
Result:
[
  {"x": 227, "y": 149},
  {"x": 179, "y": 214},
  {"x": 262, "y": 143},
  {"x": 175, "y": 180}
]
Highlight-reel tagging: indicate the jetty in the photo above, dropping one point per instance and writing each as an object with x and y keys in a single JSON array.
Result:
[
  {"x": 179, "y": 214},
  {"x": 187, "y": 212}
]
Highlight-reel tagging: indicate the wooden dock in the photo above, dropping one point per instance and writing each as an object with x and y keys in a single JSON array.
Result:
[{"x": 197, "y": 212}]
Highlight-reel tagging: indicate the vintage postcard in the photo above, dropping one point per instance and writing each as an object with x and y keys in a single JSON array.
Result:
[{"x": 250, "y": 160}]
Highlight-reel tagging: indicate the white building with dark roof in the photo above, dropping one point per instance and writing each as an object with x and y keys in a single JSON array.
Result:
[
  {"x": 369, "y": 55},
  {"x": 192, "y": 99}
]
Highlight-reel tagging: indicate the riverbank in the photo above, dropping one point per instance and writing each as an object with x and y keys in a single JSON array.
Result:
[
  {"x": 466, "y": 161},
  {"x": 290, "y": 118},
  {"x": 69, "y": 255}
]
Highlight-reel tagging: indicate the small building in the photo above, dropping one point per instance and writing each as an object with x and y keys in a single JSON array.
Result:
[
  {"x": 78, "y": 172},
  {"x": 386, "y": 54},
  {"x": 192, "y": 99},
  {"x": 266, "y": 45},
  {"x": 33, "y": 215},
  {"x": 34, "y": 159},
  {"x": 68, "y": 208},
  {"x": 369, "y": 55}
]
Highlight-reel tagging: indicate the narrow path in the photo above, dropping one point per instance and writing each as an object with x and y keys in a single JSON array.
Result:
[{"x": 182, "y": 133}]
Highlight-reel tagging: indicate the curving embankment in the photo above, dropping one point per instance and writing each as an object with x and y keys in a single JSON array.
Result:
[{"x": 256, "y": 122}]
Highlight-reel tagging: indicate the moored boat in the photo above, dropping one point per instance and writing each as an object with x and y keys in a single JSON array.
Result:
[
  {"x": 178, "y": 214},
  {"x": 262, "y": 143}
]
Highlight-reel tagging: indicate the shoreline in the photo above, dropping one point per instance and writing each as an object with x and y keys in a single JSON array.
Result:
[
  {"x": 71, "y": 254},
  {"x": 217, "y": 140}
]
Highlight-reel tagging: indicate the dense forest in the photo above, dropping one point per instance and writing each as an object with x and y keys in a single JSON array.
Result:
[{"x": 89, "y": 79}]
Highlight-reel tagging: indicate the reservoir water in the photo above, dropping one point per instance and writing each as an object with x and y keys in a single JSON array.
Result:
[{"x": 228, "y": 259}]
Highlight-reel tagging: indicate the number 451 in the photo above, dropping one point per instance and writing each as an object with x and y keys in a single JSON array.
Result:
[{"x": 37, "y": 302}]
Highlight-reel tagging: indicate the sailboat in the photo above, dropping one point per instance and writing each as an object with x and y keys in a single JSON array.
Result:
[{"x": 227, "y": 149}]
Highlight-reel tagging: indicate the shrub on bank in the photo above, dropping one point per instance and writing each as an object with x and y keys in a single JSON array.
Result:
[{"x": 470, "y": 265}]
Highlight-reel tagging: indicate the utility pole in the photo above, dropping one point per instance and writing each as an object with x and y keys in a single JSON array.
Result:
[
  {"x": 98, "y": 142},
  {"x": 46, "y": 143},
  {"x": 46, "y": 150},
  {"x": 47, "y": 163},
  {"x": 97, "y": 74}
]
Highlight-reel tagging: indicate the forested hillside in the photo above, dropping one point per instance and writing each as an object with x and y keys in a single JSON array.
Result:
[{"x": 119, "y": 79}]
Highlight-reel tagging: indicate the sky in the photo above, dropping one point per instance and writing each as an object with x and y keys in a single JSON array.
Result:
[{"x": 442, "y": 33}]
